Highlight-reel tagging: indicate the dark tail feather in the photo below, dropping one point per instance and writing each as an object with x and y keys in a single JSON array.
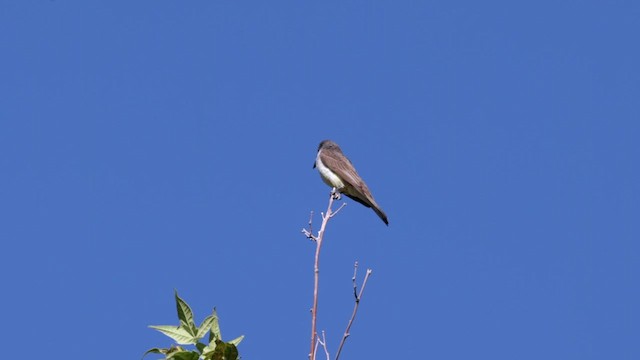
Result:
[
  {"x": 375, "y": 208},
  {"x": 358, "y": 200},
  {"x": 381, "y": 214}
]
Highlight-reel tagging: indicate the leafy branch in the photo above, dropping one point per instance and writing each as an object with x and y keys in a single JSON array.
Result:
[{"x": 188, "y": 333}]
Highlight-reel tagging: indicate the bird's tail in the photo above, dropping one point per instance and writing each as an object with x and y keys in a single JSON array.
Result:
[
  {"x": 381, "y": 214},
  {"x": 370, "y": 203}
]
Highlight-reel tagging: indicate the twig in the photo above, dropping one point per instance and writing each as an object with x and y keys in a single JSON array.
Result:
[
  {"x": 355, "y": 286},
  {"x": 340, "y": 208},
  {"x": 323, "y": 342},
  {"x": 311, "y": 222},
  {"x": 316, "y": 269},
  {"x": 309, "y": 233},
  {"x": 355, "y": 306}
]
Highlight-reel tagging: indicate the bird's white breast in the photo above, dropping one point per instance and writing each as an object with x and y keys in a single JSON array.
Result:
[{"x": 327, "y": 175}]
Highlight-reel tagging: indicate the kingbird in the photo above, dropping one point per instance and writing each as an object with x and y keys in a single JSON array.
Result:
[{"x": 338, "y": 172}]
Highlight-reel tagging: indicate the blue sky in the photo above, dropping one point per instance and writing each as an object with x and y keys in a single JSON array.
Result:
[{"x": 156, "y": 145}]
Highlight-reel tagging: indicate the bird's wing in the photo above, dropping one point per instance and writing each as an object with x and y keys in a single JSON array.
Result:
[{"x": 341, "y": 166}]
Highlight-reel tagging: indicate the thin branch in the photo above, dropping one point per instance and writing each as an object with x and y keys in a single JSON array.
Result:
[
  {"x": 309, "y": 233},
  {"x": 355, "y": 306},
  {"x": 340, "y": 208},
  {"x": 323, "y": 342},
  {"x": 316, "y": 269},
  {"x": 355, "y": 274},
  {"x": 364, "y": 283}
]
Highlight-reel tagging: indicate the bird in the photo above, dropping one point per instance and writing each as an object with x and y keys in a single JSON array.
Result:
[{"x": 337, "y": 171}]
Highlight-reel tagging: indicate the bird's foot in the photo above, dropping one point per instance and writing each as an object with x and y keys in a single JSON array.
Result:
[{"x": 335, "y": 194}]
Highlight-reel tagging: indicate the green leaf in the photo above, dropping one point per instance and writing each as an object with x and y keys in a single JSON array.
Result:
[
  {"x": 215, "y": 327},
  {"x": 184, "y": 355},
  {"x": 205, "y": 326},
  {"x": 156, "y": 351},
  {"x": 201, "y": 347},
  {"x": 231, "y": 352},
  {"x": 225, "y": 351},
  {"x": 209, "y": 349},
  {"x": 193, "y": 332},
  {"x": 166, "y": 352},
  {"x": 178, "y": 334},
  {"x": 184, "y": 311},
  {"x": 236, "y": 341}
]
